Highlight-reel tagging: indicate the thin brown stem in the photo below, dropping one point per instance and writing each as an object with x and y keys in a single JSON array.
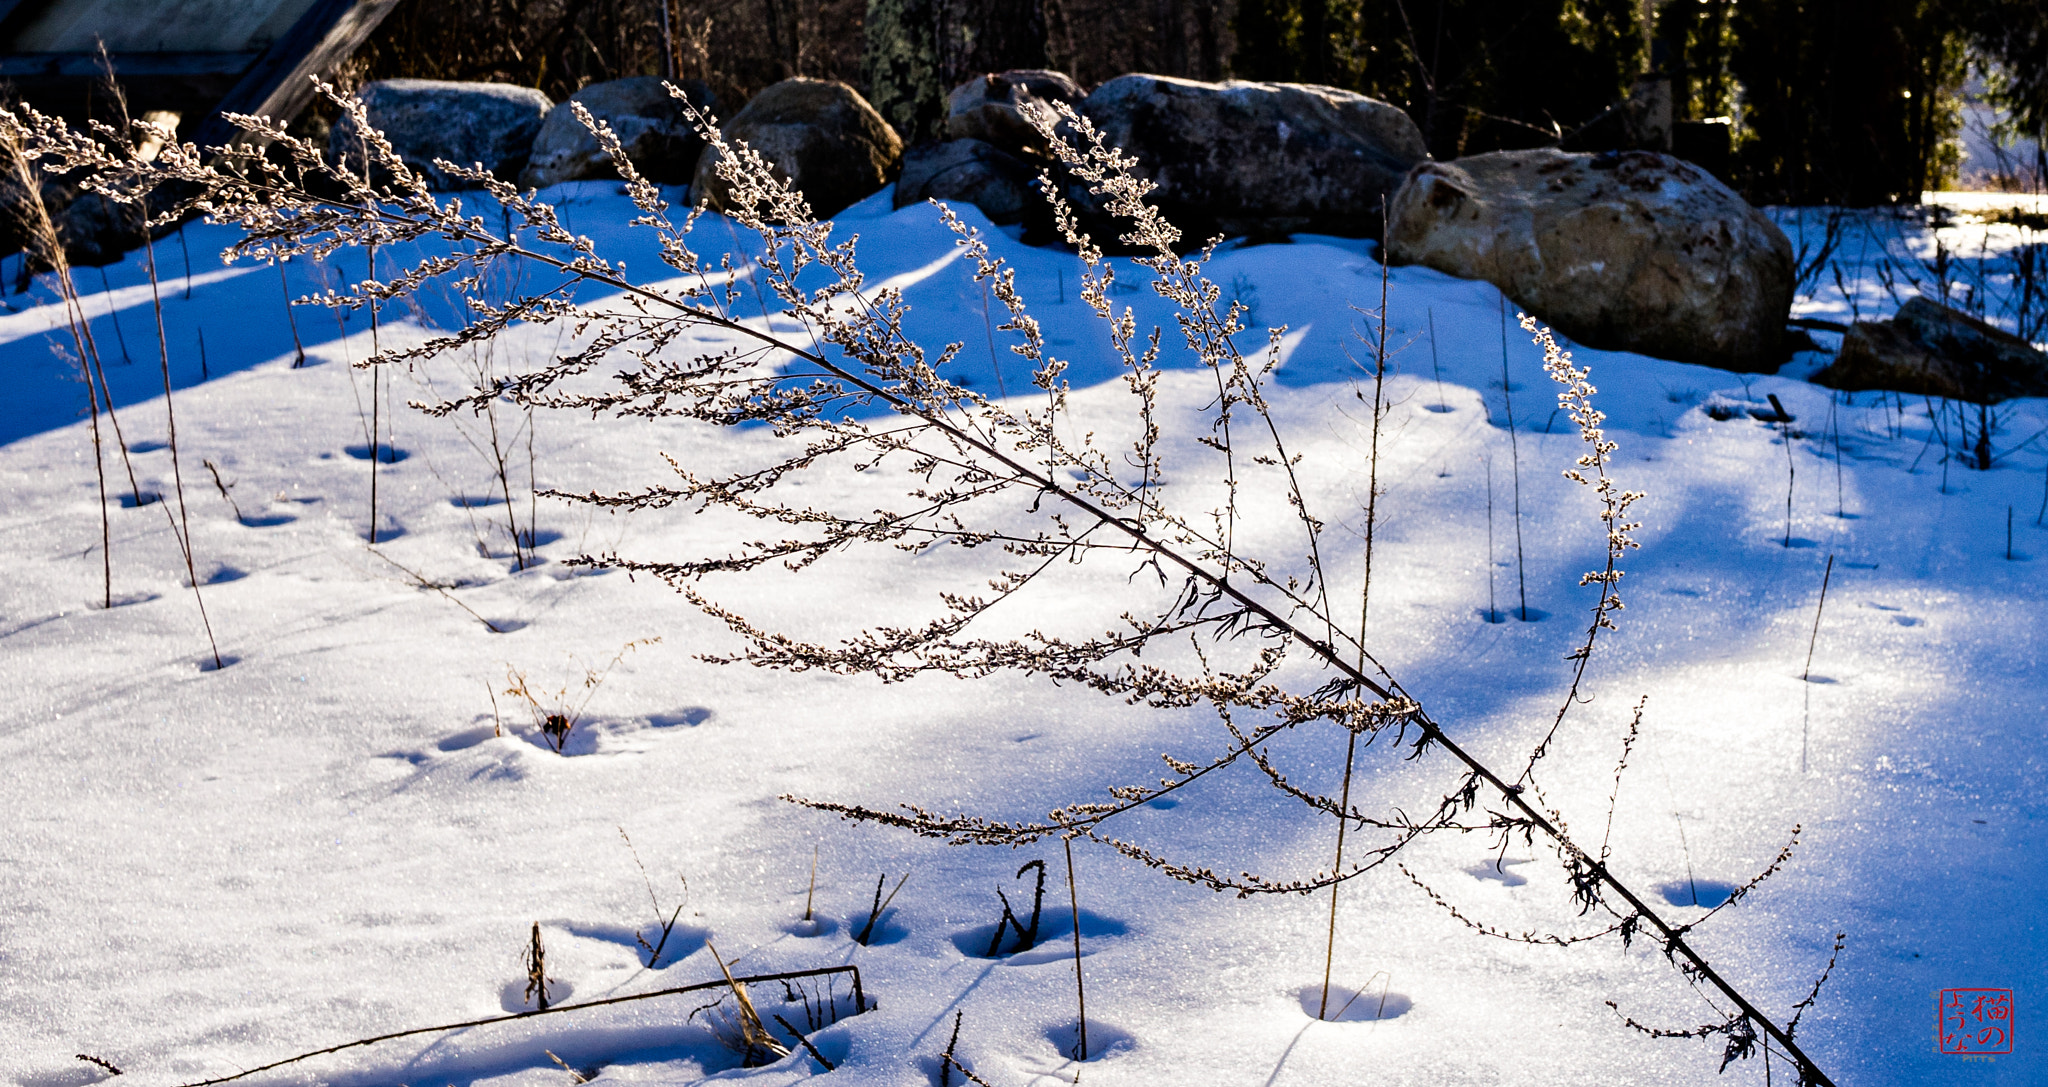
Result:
[{"x": 1074, "y": 910}]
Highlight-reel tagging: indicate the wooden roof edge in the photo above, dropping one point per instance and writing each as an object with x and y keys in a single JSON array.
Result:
[{"x": 280, "y": 83}]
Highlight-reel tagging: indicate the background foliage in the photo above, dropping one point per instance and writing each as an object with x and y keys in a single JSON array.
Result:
[{"x": 1822, "y": 101}]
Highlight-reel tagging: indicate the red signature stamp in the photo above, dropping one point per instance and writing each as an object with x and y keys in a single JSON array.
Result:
[{"x": 1975, "y": 1021}]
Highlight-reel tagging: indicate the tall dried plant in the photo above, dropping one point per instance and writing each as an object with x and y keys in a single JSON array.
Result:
[{"x": 1260, "y": 640}]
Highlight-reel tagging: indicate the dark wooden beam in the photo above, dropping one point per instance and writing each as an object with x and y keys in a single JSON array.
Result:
[
  {"x": 279, "y": 84},
  {"x": 126, "y": 65}
]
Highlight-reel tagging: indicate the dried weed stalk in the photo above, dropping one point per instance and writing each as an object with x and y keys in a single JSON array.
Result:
[
  {"x": 556, "y": 713},
  {"x": 1257, "y": 639}
]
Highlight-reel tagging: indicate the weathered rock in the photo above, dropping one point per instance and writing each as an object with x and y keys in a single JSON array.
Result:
[
  {"x": 1633, "y": 251},
  {"x": 97, "y": 231},
  {"x": 990, "y": 107},
  {"x": 1932, "y": 350},
  {"x": 967, "y": 172},
  {"x": 92, "y": 229},
  {"x": 820, "y": 135},
  {"x": 658, "y": 136},
  {"x": 1260, "y": 158},
  {"x": 468, "y": 124}
]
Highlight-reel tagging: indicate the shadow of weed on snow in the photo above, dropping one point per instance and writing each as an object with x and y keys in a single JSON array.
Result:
[
  {"x": 1706, "y": 893},
  {"x": 672, "y": 1049}
]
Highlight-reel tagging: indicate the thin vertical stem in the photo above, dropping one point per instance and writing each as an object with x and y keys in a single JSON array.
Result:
[
  {"x": 989, "y": 327},
  {"x": 107, "y": 293},
  {"x": 1515, "y": 457},
  {"x": 1372, "y": 495},
  {"x": 1791, "y": 467},
  {"x": 505, "y": 484},
  {"x": 39, "y": 233},
  {"x": 298, "y": 346},
  {"x": 376, "y": 405},
  {"x": 1492, "y": 612},
  {"x": 533, "y": 492},
  {"x": 1805, "y": 677},
  {"x": 668, "y": 44},
  {"x": 187, "y": 250},
  {"x": 1441, "y": 407},
  {"x": 1074, "y": 909},
  {"x": 99, "y": 463},
  {"x": 92, "y": 353},
  {"x": 182, "y": 527},
  {"x": 1835, "y": 426},
  {"x": 1330, "y": 949}
]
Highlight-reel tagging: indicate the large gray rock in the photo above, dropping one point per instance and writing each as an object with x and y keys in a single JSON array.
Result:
[
  {"x": 967, "y": 172},
  {"x": 820, "y": 135},
  {"x": 1260, "y": 158},
  {"x": 989, "y": 108},
  {"x": 1632, "y": 251},
  {"x": 92, "y": 229},
  {"x": 1932, "y": 350},
  {"x": 658, "y": 136},
  {"x": 468, "y": 124}
]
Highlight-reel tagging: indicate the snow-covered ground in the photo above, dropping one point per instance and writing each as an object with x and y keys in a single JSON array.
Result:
[{"x": 208, "y": 870}]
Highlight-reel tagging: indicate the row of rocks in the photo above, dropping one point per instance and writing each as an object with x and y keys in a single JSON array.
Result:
[
  {"x": 1255, "y": 159},
  {"x": 1633, "y": 251},
  {"x": 1636, "y": 251},
  {"x": 518, "y": 134}
]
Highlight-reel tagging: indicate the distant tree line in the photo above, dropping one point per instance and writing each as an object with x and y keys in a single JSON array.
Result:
[{"x": 1803, "y": 101}]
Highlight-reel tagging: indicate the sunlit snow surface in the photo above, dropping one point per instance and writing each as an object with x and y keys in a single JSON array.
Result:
[{"x": 207, "y": 871}]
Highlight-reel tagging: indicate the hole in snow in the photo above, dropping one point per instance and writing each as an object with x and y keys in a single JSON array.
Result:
[
  {"x": 386, "y": 452},
  {"x": 512, "y": 996},
  {"x": 1352, "y": 1006},
  {"x": 1104, "y": 1040}
]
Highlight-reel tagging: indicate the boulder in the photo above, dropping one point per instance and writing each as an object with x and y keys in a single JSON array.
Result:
[
  {"x": 1932, "y": 350},
  {"x": 1630, "y": 251},
  {"x": 967, "y": 172},
  {"x": 1264, "y": 159},
  {"x": 97, "y": 231},
  {"x": 659, "y": 138},
  {"x": 990, "y": 108},
  {"x": 468, "y": 124},
  {"x": 820, "y": 135},
  {"x": 93, "y": 230}
]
